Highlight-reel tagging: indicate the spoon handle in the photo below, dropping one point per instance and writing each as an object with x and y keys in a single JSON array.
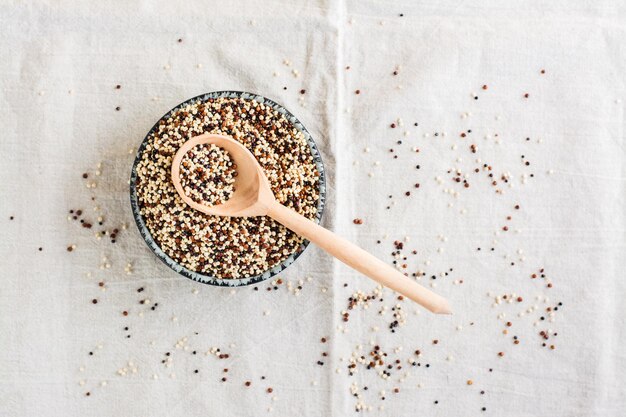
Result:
[{"x": 357, "y": 258}]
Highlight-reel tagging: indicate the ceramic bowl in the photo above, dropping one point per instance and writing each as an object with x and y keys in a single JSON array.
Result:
[{"x": 207, "y": 279}]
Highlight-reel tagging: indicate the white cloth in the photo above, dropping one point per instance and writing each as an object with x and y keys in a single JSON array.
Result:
[{"x": 59, "y": 67}]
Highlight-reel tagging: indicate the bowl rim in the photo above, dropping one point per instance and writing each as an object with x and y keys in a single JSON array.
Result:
[{"x": 208, "y": 279}]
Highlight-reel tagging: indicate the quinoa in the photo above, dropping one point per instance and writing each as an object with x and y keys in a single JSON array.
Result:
[
  {"x": 227, "y": 247},
  {"x": 207, "y": 174}
]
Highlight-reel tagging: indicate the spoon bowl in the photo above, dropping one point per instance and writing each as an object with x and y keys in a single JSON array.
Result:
[{"x": 252, "y": 189}]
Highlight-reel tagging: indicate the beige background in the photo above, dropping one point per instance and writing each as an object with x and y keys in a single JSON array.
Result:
[{"x": 59, "y": 65}]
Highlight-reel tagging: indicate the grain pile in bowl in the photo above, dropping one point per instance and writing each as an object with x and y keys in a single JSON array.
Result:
[
  {"x": 225, "y": 247},
  {"x": 207, "y": 174}
]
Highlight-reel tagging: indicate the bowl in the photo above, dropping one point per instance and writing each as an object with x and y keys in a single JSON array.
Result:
[{"x": 207, "y": 279}]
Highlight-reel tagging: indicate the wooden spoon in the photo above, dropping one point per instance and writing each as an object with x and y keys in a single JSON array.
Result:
[{"x": 253, "y": 197}]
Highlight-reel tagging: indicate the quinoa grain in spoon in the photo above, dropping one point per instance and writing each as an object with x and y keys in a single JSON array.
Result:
[{"x": 207, "y": 174}]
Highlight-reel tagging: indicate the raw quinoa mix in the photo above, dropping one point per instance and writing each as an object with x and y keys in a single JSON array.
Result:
[
  {"x": 226, "y": 247},
  {"x": 207, "y": 174}
]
